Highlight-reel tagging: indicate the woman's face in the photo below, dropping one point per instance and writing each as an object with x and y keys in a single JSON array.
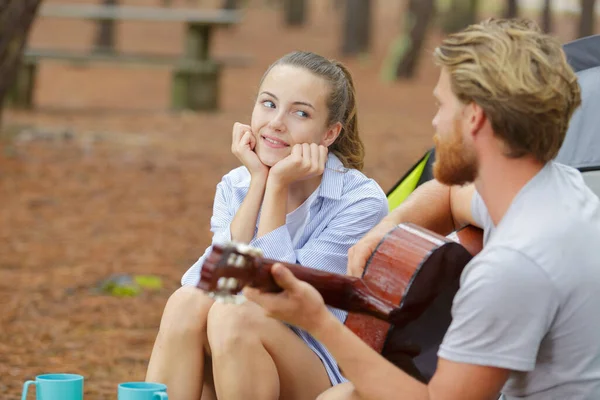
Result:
[{"x": 291, "y": 108}]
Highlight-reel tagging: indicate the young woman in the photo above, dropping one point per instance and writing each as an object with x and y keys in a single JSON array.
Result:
[{"x": 300, "y": 197}]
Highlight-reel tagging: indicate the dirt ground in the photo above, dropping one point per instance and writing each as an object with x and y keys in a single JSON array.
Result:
[{"x": 102, "y": 179}]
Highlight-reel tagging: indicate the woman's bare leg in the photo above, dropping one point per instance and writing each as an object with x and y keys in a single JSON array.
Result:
[
  {"x": 344, "y": 391},
  {"x": 256, "y": 357},
  {"x": 208, "y": 390},
  {"x": 178, "y": 358}
]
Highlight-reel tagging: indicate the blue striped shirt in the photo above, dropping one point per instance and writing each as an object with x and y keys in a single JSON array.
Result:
[{"x": 347, "y": 206}]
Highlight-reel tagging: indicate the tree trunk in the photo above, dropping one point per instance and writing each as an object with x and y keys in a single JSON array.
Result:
[
  {"x": 512, "y": 9},
  {"x": 230, "y": 4},
  {"x": 417, "y": 19},
  {"x": 105, "y": 36},
  {"x": 587, "y": 18},
  {"x": 461, "y": 14},
  {"x": 294, "y": 11},
  {"x": 547, "y": 16},
  {"x": 357, "y": 27},
  {"x": 16, "y": 18}
]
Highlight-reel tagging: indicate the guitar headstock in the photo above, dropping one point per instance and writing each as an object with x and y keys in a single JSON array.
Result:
[{"x": 228, "y": 268}]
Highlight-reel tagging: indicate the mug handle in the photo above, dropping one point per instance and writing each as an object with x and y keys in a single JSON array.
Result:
[
  {"x": 160, "y": 396},
  {"x": 25, "y": 387}
]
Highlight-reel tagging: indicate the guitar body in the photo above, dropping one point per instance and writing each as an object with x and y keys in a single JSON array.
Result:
[{"x": 418, "y": 271}]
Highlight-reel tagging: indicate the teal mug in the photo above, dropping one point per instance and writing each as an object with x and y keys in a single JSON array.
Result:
[
  {"x": 56, "y": 387},
  {"x": 142, "y": 391}
]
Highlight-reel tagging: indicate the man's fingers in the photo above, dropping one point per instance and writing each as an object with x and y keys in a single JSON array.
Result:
[
  {"x": 253, "y": 294},
  {"x": 356, "y": 262},
  {"x": 358, "y": 255},
  {"x": 284, "y": 277},
  {"x": 268, "y": 301},
  {"x": 273, "y": 303}
]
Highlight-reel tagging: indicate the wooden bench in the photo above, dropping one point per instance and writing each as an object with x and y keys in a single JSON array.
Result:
[{"x": 195, "y": 78}]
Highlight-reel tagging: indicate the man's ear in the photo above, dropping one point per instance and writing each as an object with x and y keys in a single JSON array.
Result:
[
  {"x": 332, "y": 133},
  {"x": 476, "y": 118}
]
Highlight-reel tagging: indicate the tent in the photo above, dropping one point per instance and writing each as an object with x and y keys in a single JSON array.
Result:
[{"x": 581, "y": 150}]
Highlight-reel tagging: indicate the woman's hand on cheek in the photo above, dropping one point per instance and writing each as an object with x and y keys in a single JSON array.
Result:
[
  {"x": 304, "y": 162},
  {"x": 242, "y": 146}
]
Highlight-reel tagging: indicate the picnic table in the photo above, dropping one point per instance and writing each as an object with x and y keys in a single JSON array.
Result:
[{"x": 195, "y": 74}]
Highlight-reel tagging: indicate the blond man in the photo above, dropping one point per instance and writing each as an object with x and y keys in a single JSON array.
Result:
[{"x": 525, "y": 319}]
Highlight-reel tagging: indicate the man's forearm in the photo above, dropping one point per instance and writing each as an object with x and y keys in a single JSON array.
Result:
[
  {"x": 373, "y": 376},
  {"x": 428, "y": 206}
]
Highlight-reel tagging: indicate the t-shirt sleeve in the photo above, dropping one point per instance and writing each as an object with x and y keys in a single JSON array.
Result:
[
  {"x": 480, "y": 212},
  {"x": 504, "y": 307}
]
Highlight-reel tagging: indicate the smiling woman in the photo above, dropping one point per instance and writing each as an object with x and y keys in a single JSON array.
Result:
[{"x": 300, "y": 197}]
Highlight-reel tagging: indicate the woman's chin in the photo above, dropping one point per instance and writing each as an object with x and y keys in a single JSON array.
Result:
[
  {"x": 269, "y": 162},
  {"x": 269, "y": 159}
]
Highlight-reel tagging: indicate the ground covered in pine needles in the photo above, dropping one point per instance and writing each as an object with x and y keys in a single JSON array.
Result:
[{"x": 102, "y": 180}]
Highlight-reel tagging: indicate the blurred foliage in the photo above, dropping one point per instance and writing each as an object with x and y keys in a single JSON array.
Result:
[{"x": 129, "y": 285}]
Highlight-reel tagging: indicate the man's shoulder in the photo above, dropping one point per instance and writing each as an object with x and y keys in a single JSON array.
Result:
[
  {"x": 500, "y": 264},
  {"x": 567, "y": 184},
  {"x": 558, "y": 207}
]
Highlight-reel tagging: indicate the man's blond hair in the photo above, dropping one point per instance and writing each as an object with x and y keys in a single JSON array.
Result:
[{"x": 521, "y": 79}]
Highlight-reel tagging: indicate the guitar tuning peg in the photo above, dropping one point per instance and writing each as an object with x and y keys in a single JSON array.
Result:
[
  {"x": 231, "y": 284},
  {"x": 255, "y": 252},
  {"x": 222, "y": 283},
  {"x": 231, "y": 260},
  {"x": 243, "y": 248},
  {"x": 240, "y": 262}
]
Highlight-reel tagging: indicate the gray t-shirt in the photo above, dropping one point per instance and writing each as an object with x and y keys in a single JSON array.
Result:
[{"x": 530, "y": 301}]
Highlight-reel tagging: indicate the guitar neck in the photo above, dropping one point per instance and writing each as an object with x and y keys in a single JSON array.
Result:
[{"x": 339, "y": 291}]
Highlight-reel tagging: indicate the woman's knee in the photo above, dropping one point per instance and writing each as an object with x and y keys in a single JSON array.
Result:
[
  {"x": 344, "y": 391},
  {"x": 186, "y": 311},
  {"x": 231, "y": 326}
]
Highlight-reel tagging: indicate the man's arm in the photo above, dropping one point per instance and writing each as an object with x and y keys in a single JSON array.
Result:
[
  {"x": 376, "y": 378},
  {"x": 432, "y": 205},
  {"x": 373, "y": 376},
  {"x": 437, "y": 207}
]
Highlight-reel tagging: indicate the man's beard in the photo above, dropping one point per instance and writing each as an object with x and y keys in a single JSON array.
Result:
[{"x": 455, "y": 162}]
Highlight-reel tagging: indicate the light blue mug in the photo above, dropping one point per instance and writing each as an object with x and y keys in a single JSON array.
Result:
[
  {"x": 56, "y": 387},
  {"x": 142, "y": 391}
]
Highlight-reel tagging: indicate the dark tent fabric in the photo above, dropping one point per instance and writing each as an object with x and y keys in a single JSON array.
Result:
[
  {"x": 583, "y": 53},
  {"x": 581, "y": 148}
]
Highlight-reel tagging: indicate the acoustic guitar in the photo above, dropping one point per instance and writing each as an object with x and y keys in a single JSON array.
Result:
[{"x": 400, "y": 306}]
